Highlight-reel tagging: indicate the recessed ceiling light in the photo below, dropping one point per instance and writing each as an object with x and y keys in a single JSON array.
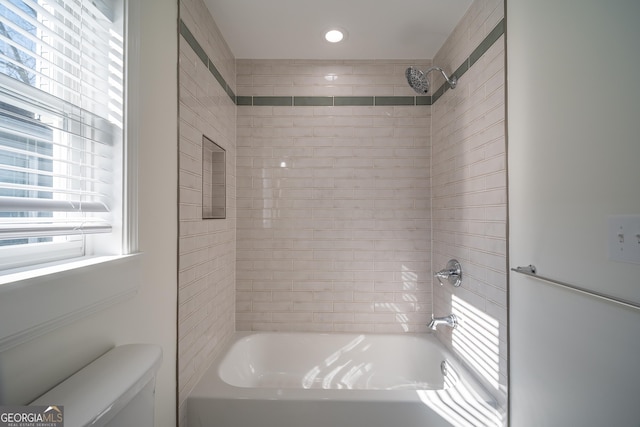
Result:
[{"x": 334, "y": 35}]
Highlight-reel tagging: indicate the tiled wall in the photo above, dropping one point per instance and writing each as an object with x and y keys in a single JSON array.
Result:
[
  {"x": 206, "y": 295},
  {"x": 333, "y": 199},
  {"x": 337, "y": 183},
  {"x": 470, "y": 194}
]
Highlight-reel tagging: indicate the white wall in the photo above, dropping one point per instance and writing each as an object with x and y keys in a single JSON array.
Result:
[
  {"x": 28, "y": 370},
  {"x": 573, "y": 160}
]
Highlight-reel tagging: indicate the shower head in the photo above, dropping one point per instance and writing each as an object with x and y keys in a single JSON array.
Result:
[{"x": 419, "y": 82}]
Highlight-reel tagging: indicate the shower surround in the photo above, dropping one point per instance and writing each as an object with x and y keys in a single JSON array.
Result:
[
  {"x": 331, "y": 224},
  {"x": 336, "y": 204},
  {"x": 334, "y": 222},
  {"x": 469, "y": 189}
]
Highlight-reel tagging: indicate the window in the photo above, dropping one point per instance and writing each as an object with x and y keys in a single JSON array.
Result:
[{"x": 61, "y": 129}]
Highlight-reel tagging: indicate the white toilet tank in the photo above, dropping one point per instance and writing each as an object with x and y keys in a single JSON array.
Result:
[{"x": 116, "y": 390}]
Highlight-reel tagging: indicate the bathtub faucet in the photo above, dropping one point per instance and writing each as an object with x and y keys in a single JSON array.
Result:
[{"x": 450, "y": 320}]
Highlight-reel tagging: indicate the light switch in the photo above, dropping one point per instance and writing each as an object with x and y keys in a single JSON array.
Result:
[{"x": 623, "y": 238}]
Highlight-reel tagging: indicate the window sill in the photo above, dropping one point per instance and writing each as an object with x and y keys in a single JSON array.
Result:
[{"x": 36, "y": 301}]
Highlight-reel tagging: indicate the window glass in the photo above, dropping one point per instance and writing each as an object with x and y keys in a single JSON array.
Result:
[{"x": 61, "y": 129}]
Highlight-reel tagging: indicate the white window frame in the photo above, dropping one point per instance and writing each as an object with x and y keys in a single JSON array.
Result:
[
  {"x": 37, "y": 300},
  {"x": 78, "y": 169}
]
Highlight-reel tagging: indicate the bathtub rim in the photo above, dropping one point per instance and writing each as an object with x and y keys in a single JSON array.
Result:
[
  {"x": 212, "y": 386},
  {"x": 430, "y": 376}
]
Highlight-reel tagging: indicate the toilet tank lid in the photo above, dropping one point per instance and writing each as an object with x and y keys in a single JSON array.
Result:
[{"x": 101, "y": 389}]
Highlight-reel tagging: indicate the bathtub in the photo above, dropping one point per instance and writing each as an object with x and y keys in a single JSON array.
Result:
[{"x": 280, "y": 379}]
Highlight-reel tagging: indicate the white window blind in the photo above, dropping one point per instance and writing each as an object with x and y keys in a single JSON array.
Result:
[{"x": 61, "y": 120}]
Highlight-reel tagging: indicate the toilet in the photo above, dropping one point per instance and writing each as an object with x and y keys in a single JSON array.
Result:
[{"x": 116, "y": 390}]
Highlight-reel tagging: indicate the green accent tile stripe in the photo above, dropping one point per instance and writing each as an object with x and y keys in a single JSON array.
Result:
[
  {"x": 331, "y": 101},
  {"x": 437, "y": 94},
  {"x": 482, "y": 48},
  {"x": 191, "y": 40},
  {"x": 273, "y": 101},
  {"x": 244, "y": 100},
  {"x": 352, "y": 101},
  {"x": 232, "y": 95},
  {"x": 313, "y": 101},
  {"x": 217, "y": 75},
  {"x": 395, "y": 100},
  {"x": 197, "y": 48},
  {"x": 488, "y": 41},
  {"x": 461, "y": 69},
  {"x": 340, "y": 101}
]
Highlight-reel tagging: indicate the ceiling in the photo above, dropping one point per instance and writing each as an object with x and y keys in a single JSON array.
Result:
[{"x": 376, "y": 29}]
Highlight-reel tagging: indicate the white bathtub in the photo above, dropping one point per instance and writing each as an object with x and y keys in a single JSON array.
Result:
[{"x": 338, "y": 380}]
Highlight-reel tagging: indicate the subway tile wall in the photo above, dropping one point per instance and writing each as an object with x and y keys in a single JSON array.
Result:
[
  {"x": 334, "y": 208},
  {"x": 324, "y": 78},
  {"x": 206, "y": 282},
  {"x": 334, "y": 203},
  {"x": 470, "y": 196}
]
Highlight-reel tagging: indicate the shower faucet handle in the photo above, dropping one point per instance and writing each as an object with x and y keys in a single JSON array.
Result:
[{"x": 452, "y": 273}]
